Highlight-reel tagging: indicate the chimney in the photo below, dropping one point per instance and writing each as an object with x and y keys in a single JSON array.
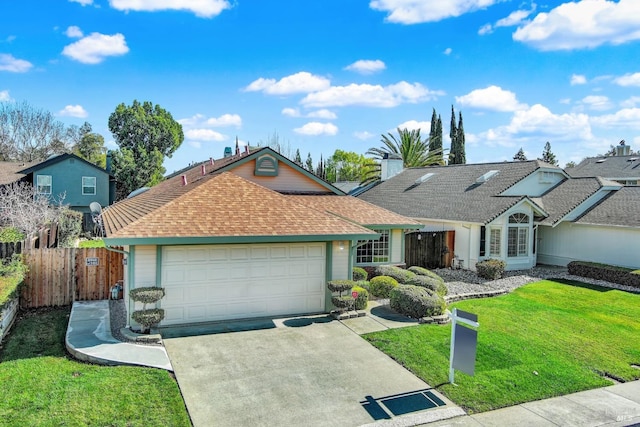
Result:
[
  {"x": 203, "y": 170},
  {"x": 184, "y": 179},
  {"x": 622, "y": 149},
  {"x": 237, "y": 147},
  {"x": 211, "y": 162},
  {"x": 391, "y": 165},
  {"x": 227, "y": 152},
  {"x": 246, "y": 149}
]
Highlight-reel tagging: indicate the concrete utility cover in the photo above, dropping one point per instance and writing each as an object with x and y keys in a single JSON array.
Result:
[{"x": 301, "y": 372}]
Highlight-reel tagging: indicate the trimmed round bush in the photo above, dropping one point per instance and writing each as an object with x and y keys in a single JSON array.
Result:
[
  {"x": 363, "y": 297},
  {"x": 345, "y": 302},
  {"x": 364, "y": 284},
  {"x": 421, "y": 271},
  {"x": 381, "y": 286},
  {"x": 400, "y": 274},
  {"x": 147, "y": 295},
  {"x": 148, "y": 318},
  {"x": 340, "y": 285},
  {"x": 416, "y": 301},
  {"x": 359, "y": 274},
  {"x": 430, "y": 283}
]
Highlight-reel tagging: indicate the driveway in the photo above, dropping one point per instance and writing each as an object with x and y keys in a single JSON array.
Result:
[{"x": 310, "y": 371}]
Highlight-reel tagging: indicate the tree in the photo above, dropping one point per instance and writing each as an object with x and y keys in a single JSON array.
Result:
[
  {"x": 453, "y": 134},
  {"x": 321, "y": 172},
  {"x": 520, "y": 156},
  {"x": 570, "y": 164},
  {"x": 283, "y": 147},
  {"x": 21, "y": 210},
  {"x": 90, "y": 146},
  {"x": 309, "y": 163},
  {"x": 347, "y": 166},
  {"x": 461, "y": 154},
  {"x": 547, "y": 155},
  {"x": 435, "y": 135},
  {"x": 298, "y": 159},
  {"x": 146, "y": 134},
  {"x": 29, "y": 134}
]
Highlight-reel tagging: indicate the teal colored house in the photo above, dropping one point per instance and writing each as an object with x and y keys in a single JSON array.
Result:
[{"x": 73, "y": 179}]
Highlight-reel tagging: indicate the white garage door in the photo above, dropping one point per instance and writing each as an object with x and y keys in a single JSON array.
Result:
[{"x": 220, "y": 282}]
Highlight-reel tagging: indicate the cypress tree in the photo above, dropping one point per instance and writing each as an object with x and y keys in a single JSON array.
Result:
[
  {"x": 461, "y": 155},
  {"x": 309, "y": 164},
  {"x": 298, "y": 160},
  {"x": 453, "y": 133}
]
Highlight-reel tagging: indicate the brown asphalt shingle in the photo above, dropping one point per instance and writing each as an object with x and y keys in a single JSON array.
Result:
[
  {"x": 221, "y": 205},
  {"x": 9, "y": 171}
]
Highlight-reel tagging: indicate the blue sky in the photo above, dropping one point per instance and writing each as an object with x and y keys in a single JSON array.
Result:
[{"x": 335, "y": 74}]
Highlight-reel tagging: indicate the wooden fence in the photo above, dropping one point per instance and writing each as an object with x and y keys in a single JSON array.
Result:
[
  {"x": 429, "y": 249},
  {"x": 60, "y": 276}
]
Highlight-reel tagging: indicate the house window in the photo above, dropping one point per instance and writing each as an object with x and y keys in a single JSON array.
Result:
[
  {"x": 495, "y": 236},
  {"x": 518, "y": 235},
  {"x": 88, "y": 185},
  {"x": 483, "y": 240},
  {"x": 374, "y": 251},
  {"x": 43, "y": 184}
]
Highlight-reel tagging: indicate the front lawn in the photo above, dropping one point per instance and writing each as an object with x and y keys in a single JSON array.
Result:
[
  {"x": 42, "y": 386},
  {"x": 545, "y": 339}
]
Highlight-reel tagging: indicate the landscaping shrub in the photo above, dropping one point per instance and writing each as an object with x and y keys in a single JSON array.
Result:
[
  {"x": 430, "y": 283},
  {"x": 343, "y": 302},
  {"x": 381, "y": 286},
  {"x": 609, "y": 273},
  {"x": 363, "y": 297},
  {"x": 364, "y": 284},
  {"x": 359, "y": 274},
  {"x": 148, "y": 318},
  {"x": 416, "y": 301},
  {"x": 11, "y": 235},
  {"x": 340, "y": 286},
  {"x": 69, "y": 228},
  {"x": 147, "y": 295},
  {"x": 421, "y": 271},
  {"x": 400, "y": 274},
  {"x": 12, "y": 266},
  {"x": 490, "y": 269}
]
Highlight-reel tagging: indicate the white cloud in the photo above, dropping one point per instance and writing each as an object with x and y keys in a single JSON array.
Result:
[
  {"x": 627, "y": 117},
  {"x": 418, "y": 11},
  {"x": 13, "y": 65},
  {"x": 630, "y": 102},
  {"x": 201, "y": 8},
  {"x": 74, "y": 32},
  {"x": 363, "y": 135},
  {"x": 73, "y": 111},
  {"x": 225, "y": 120},
  {"x": 96, "y": 47},
  {"x": 317, "y": 128},
  {"x": 485, "y": 29},
  {"x": 366, "y": 66},
  {"x": 425, "y": 127},
  {"x": 628, "y": 80},
  {"x": 597, "y": 102},
  {"x": 291, "y": 112},
  {"x": 83, "y": 2},
  {"x": 516, "y": 17},
  {"x": 302, "y": 82},
  {"x": 491, "y": 98},
  {"x": 578, "y": 79},
  {"x": 370, "y": 95},
  {"x": 204, "y": 135},
  {"x": 448, "y": 51},
  {"x": 323, "y": 114},
  {"x": 4, "y": 96},
  {"x": 584, "y": 24}
]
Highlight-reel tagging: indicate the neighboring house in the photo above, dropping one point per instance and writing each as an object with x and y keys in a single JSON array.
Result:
[
  {"x": 250, "y": 235},
  {"x": 66, "y": 176},
  {"x": 621, "y": 167},
  {"x": 520, "y": 212}
]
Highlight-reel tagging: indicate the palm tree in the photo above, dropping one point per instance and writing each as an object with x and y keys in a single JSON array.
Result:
[{"x": 410, "y": 146}]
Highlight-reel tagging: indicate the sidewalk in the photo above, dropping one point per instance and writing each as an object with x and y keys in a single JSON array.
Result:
[{"x": 89, "y": 338}]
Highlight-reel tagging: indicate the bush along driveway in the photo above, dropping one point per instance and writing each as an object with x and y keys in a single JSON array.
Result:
[
  {"x": 43, "y": 387},
  {"x": 544, "y": 339}
]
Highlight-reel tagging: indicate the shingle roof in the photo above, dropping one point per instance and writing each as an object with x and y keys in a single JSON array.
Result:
[
  {"x": 566, "y": 196},
  {"x": 222, "y": 205},
  {"x": 10, "y": 171},
  {"x": 608, "y": 167},
  {"x": 452, "y": 192},
  {"x": 621, "y": 208},
  {"x": 354, "y": 209}
]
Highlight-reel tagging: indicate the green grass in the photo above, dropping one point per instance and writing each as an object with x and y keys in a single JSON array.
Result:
[
  {"x": 96, "y": 243},
  {"x": 545, "y": 339},
  {"x": 42, "y": 386},
  {"x": 9, "y": 287}
]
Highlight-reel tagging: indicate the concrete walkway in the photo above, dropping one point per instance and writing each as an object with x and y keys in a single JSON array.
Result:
[{"x": 89, "y": 338}]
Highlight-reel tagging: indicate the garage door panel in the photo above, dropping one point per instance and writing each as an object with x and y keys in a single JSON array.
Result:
[{"x": 240, "y": 281}]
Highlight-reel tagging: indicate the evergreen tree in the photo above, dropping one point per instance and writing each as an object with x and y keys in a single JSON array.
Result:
[
  {"x": 309, "y": 163},
  {"x": 520, "y": 156},
  {"x": 461, "y": 155},
  {"x": 570, "y": 164},
  {"x": 433, "y": 130},
  {"x": 298, "y": 160},
  {"x": 320, "y": 172},
  {"x": 453, "y": 134},
  {"x": 547, "y": 155},
  {"x": 435, "y": 138}
]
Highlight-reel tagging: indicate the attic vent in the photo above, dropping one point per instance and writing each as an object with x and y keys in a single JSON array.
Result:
[
  {"x": 266, "y": 165},
  {"x": 487, "y": 176},
  {"x": 601, "y": 160},
  {"x": 424, "y": 178}
]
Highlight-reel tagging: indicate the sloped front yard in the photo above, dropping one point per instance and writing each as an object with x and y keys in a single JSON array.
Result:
[
  {"x": 41, "y": 386},
  {"x": 545, "y": 339}
]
